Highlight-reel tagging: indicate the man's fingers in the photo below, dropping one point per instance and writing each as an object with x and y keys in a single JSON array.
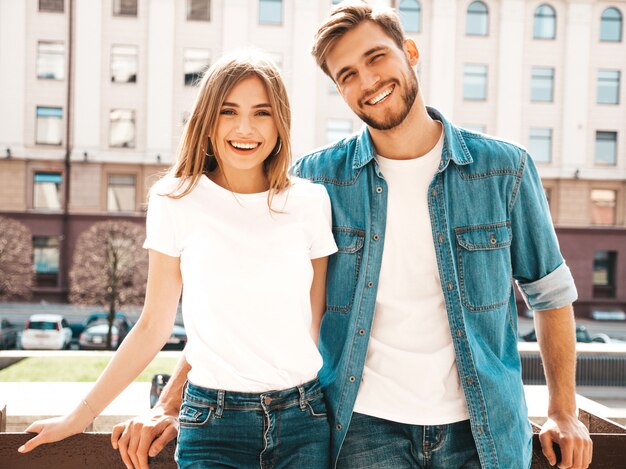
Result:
[
  {"x": 568, "y": 453},
  {"x": 588, "y": 454},
  {"x": 546, "y": 447},
  {"x": 164, "y": 438},
  {"x": 133, "y": 442},
  {"x": 122, "y": 444},
  {"x": 116, "y": 433},
  {"x": 145, "y": 438}
]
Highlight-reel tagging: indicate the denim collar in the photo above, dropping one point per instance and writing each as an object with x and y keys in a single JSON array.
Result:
[{"x": 454, "y": 147}]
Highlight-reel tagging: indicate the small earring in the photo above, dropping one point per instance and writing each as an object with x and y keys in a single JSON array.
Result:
[{"x": 277, "y": 151}]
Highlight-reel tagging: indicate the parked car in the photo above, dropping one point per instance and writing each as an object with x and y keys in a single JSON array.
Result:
[
  {"x": 78, "y": 328},
  {"x": 94, "y": 336},
  {"x": 582, "y": 336},
  {"x": 177, "y": 339},
  {"x": 8, "y": 335},
  {"x": 46, "y": 332}
]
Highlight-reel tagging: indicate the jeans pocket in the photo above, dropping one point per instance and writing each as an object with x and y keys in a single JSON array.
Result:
[
  {"x": 317, "y": 406},
  {"x": 484, "y": 265},
  {"x": 343, "y": 269},
  {"x": 193, "y": 414}
]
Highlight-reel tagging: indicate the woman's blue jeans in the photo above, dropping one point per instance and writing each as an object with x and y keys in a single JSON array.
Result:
[{"x": 272, "y": 430}]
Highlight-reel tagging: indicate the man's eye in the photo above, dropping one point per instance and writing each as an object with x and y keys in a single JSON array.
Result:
[
  {"x": 347, "y": 76},
  {"x": 377, "y": 56}
]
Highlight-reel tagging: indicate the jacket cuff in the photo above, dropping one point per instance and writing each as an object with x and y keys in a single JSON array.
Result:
[{"x": 555, "y": 290}]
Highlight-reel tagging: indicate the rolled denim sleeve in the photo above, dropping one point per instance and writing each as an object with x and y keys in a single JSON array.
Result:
[{"x": 539, "y": 269}]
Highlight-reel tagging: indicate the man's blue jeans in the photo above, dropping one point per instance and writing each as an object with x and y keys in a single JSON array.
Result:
[
  {"x": 272, "y": 430},
  {"x": 373, "y": 443}
]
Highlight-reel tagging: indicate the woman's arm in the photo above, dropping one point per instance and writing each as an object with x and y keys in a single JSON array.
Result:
[
  {"x": 318, "y": 295},
  {"x": 139, "y": 348}
]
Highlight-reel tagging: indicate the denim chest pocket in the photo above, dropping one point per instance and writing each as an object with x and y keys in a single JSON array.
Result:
[
  {"x": 484, "y": 262},
  {"x": 193, "y": 414},
  {"x": 343, "y": 269}
]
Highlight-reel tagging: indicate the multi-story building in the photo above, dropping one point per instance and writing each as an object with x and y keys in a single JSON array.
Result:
[{"x": 94, "y": 95}]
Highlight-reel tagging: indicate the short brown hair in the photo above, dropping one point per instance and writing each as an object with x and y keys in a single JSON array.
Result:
[{"x": 346, "y": 16}]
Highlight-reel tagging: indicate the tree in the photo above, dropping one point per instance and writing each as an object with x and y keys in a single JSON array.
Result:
[
  {"x": 110, "y": 267},
  {"x": 16, "y": 260}
]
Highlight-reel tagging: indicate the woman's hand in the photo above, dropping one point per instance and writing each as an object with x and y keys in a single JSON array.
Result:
[{"x": 53, "y": 429}]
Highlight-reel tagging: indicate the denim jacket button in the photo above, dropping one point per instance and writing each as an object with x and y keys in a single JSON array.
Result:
[
  {"x": 361, "y": 331},
  {"x": 338, "y": 427},
  {"x": 376, "y": 238},
  {"x": 379, "y": 189},
  {"x": 352, "y": 379},
  {"x": 370, "y": 284}
]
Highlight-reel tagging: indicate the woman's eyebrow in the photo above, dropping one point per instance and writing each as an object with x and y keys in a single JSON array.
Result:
[{"x": 254, "y": 107}]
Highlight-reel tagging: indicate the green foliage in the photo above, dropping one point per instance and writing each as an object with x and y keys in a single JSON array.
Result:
[{"x": 74, "y": 369}]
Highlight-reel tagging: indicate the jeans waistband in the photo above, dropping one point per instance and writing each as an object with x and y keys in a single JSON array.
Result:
[{"x": 270, "y": 400}]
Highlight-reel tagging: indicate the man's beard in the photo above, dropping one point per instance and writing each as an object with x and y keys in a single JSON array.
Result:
[{"x": 395, "y": 119}]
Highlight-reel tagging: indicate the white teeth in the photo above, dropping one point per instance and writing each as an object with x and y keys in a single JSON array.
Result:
[
  {"x": 380, "y": 97},
  {"x": 244, "y": 146}
]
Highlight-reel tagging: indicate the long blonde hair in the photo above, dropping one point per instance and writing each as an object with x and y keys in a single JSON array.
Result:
[{"x": 196, "y": 155}]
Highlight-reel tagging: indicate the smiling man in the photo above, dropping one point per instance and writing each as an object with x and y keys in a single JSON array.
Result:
[{"x": 433, "y": 225}]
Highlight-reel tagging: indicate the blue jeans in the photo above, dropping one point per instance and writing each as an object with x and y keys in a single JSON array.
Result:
[
  {"x": 380, "y": 444},
  {"x": 272, "y": 430}
]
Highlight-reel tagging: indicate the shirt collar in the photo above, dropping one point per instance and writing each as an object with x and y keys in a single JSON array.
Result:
[{"x": 454, "y": 147}]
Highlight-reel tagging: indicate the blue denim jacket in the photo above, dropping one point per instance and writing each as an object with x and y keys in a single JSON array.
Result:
[{"x": 491, "y": 225}]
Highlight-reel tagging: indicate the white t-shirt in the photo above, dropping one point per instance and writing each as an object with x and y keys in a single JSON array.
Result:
[
  {"x": 247, "y": 277},
  {"x": 410, "y": 373}
]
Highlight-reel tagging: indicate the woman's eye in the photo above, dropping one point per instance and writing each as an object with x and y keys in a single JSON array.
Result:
[
  {"x": 263, "y": 113},
  {"x": 227, "y": 112}
]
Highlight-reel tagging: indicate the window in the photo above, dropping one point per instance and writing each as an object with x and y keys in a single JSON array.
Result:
[
  {"x": 606, "y": 148},
  {"x": 47, "y": 191},
  {"x": 481, "y": 128},
  {"x": 603, "y": 207},
  {"x": 199, "y": 10},
  {"x": 122, "y": 129},
  {"x": 196, "y": 61},
  {"x": 121, "y": 193},
  {"x": 545, "y": 22},
  {"x": 49, "y": 127},
  {"x": 410, "y": 12},
  {"x": 55, "y": 6},
  {"x": 611, "y": 25},
  {"x": 608, "y": 86},
  {"x": 604, "y": 263},
  {"x": 270, "y": 11},
  {"x": 124, "y": 64},
  {"x": 542, "y": 84},
  {"x": 125, "y": 7},
  {"x": 475, "y": 82},
  {"x": 50, "y": 60},
  {"x": 477, "y": 19},
  {"x": 336, "y": 129},
  {"x": 46, "y": 260},
  {"x": 540, "y": 144}
]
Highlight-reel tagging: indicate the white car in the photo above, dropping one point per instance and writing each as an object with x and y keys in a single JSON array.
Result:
[{"x": 47, "y": 332}]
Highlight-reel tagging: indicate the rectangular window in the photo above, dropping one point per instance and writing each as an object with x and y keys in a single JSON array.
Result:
[
  {"x": 125, "y": 7},
  {"x": 196, "y": 61},
  {"x": 122, "y": 128},
  {"x": 475, "y": 82},
  {"x": 604, "y": 263},
  {"x": 540, "y": 144},
  {"x": 542, "y": 84},
  {"x": 55, "y": 6},
  {"x": 124, "y": 64},
  {"x": 608, "y": 86},
  {"x": 121, "y": 193},
  {"x": 46, "y": 260},
  {"x": 51, "y": 60},
  {"x": 603, "y": 204},
  {"x": 49, "y": 125},
  {"x": 199, "y": 10},
  {"x": 606, "y": 148},
  {"x": 336, "y": 129},
  {"x": 270, "y": 11},
  {"x": 47, "y": 191}
]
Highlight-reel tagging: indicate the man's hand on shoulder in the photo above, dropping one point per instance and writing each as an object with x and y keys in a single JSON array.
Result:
[
  {"x": 145, "y": 435},
  {"x": 573, "y": 439}
]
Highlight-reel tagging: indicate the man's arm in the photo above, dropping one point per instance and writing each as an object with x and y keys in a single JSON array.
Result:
[
  {"x": 556, "y": 336},
  {"x": 148, "y": 434}
]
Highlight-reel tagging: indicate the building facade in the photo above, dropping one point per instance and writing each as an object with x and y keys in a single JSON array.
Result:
[{"x": 95, "y": 94}]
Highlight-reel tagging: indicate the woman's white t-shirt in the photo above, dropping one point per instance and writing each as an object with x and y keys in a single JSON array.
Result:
[{"x": 247, "y": 277}]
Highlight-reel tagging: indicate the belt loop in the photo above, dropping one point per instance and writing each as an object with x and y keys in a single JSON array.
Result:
[
  {"x": 220, "y": 404},
  {"x": 302, "y": 398},
  {"x": 184, "y": 391}
]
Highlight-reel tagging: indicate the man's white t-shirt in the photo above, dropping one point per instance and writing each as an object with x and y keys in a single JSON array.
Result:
[
  {"x": 247, "y": 277},
  {"x": 410, "y": 373}
]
